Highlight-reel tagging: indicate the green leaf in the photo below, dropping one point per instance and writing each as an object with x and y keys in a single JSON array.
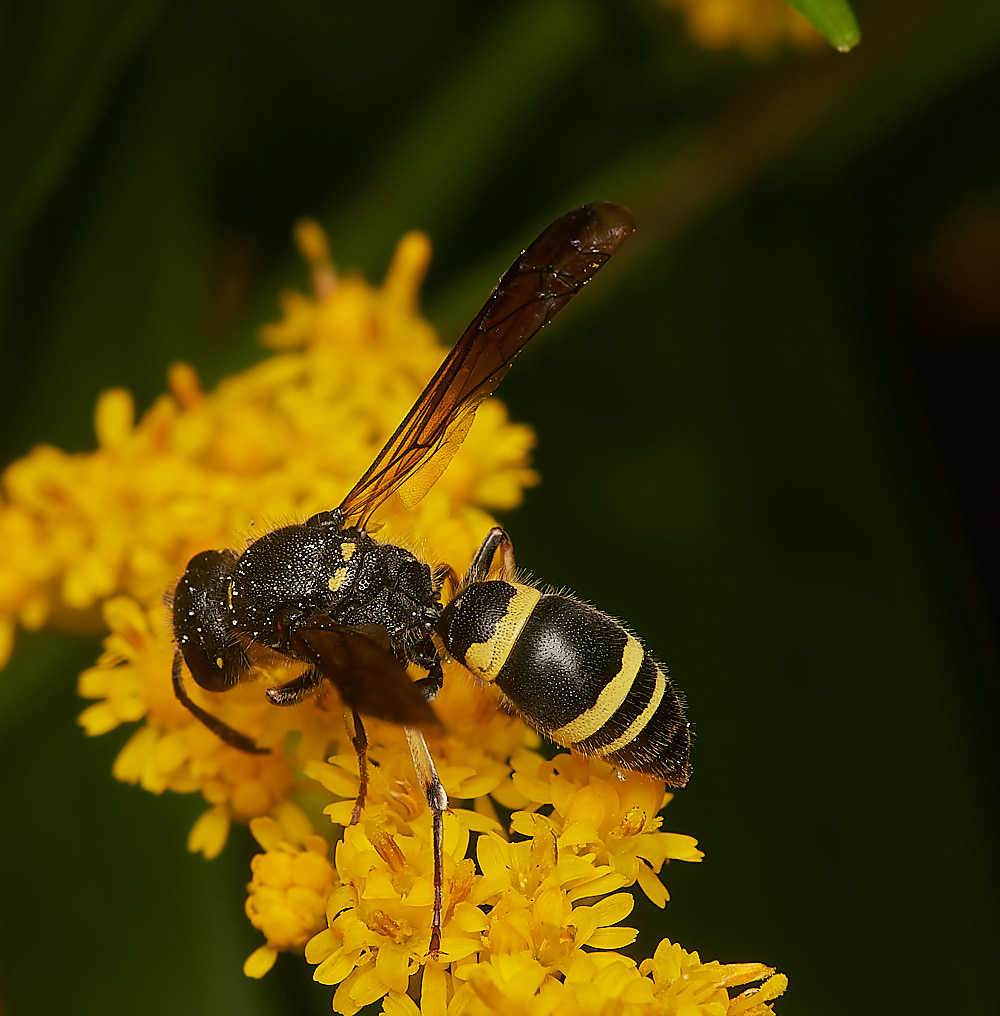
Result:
[
  {"x": 834, "y": 18},
  {"x": 60, "y": 66}
]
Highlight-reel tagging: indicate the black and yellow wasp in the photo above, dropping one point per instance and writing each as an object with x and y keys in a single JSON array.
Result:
[{"x": 355, "y": 610}]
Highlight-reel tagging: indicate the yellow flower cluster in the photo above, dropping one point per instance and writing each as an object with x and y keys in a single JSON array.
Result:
[
  {"x": 758, "y": 27},
  {"x": 543, "y": 897},
  {"x": 539, "y": 854},
  {"x": 287, "y": 895},
  {"x": 277, "y": 443}
]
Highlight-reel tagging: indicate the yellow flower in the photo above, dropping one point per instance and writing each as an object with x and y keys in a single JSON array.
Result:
[
  {"x": 684, "y": 985},
  {"x": 758, "y": 27},
  {"x": 615, "y": 817},
  {"x": 538, "y": 853},
  {"x": 288, "y": 893}
]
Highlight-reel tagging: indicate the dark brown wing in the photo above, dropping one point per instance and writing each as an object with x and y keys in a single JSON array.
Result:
[
  {"x": 368, "y": 676},
  {"x": 540, "y": 283}
]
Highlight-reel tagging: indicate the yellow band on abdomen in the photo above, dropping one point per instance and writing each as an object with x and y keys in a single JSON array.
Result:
[
  {"x": 608, "y": 702},
  {"x": 486, "y": 658}
]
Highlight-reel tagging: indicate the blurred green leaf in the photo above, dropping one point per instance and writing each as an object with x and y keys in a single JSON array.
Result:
[
  {"x": 834, "y": 18},
  {"x": 457, "y": 133},
  {"x": 59, "y": 65}
]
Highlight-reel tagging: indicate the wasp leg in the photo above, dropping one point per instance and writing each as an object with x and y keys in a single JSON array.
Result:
[
  {"x": 496, "y": 539},
  {"x": 291, "y": 693},
  {"x": 444, "y": 573},
  {"x": 359, "y": 739},
  {"x": 425, "y": 655},
  {"x": 222, "y": 730},
  {"x": 437, "y": 801}
]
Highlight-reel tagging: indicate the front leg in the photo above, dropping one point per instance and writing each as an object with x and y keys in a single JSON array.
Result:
[
  {"x": 218, "y": 727},
  {"x": 291, "y": 693}
]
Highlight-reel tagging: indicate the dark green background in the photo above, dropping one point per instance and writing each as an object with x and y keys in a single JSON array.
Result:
[{"x": 767, "y": 433}]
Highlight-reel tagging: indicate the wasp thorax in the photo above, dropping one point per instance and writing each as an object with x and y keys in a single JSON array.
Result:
[{"x": 288, "y": 574}]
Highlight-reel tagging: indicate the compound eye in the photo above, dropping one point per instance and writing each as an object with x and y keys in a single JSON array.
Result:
[
  {"x": 219, "y": 674},
  {"x": 210, "y": 680}
]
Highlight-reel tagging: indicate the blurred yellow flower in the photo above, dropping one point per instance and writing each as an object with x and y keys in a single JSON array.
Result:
[
  {"x": 758, "y": 27},
  {"x": 539, "y": 854}
]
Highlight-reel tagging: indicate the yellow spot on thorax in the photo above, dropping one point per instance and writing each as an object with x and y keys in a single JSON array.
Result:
[
  {"x": 347, "y": 550},
  {"x": 337, "y": 579}
]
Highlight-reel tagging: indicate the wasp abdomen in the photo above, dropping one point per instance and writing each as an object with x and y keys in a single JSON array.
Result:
[{"x": 572, "y": 672}]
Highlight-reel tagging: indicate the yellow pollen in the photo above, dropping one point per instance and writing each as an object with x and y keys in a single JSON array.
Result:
[
  {"x": 633, "y": 822},
  {"x": 386, "y": 847},
  {"x": 382, "y": 924},
  {"x": 347, "y": 550}
]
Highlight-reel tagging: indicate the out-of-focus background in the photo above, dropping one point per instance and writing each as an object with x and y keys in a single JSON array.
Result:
[{"x": 769, "y": 437}]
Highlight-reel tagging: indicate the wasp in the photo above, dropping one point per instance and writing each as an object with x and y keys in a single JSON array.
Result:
[{"x": 356, "y": 611}]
